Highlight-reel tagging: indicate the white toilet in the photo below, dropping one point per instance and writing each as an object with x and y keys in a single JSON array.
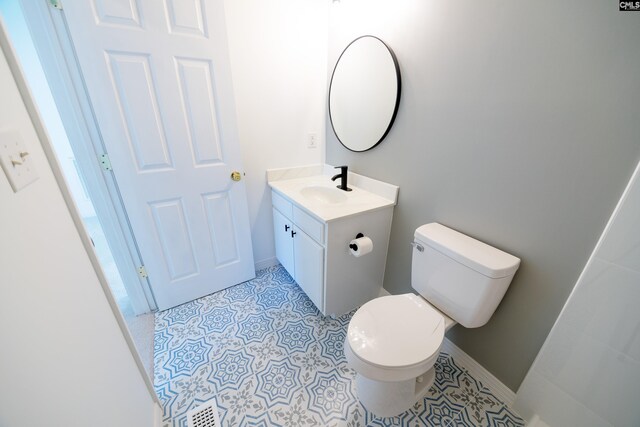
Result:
[{"x": 393, "y": 341}]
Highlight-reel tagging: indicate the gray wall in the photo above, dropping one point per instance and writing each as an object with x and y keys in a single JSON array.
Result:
[{"x": 519, "y": 125}]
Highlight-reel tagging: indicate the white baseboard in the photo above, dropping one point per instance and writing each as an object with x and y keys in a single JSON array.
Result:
[
  {"x": 265, "y": 263},
  {"x": 536, "y": 422},
  {"x": 479, "y": 372},
  {"x": 157, "y": 415}
]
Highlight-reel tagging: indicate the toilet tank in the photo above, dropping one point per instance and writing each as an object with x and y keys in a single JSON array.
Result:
[{"x": 461, "y": 276}]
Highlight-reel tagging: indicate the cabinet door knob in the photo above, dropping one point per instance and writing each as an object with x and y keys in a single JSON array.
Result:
[
  {"x": 293, "y": 233},
  {"x": 286, "y": 228}
]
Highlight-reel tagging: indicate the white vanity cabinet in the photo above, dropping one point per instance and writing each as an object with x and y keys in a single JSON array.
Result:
[
  {"x": 312, "y": 232},
  {"x": 300, "y": 255},
  {"x": 282, "y": 229}
]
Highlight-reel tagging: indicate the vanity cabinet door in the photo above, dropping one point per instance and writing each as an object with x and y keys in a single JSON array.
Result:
[
  {"x": 282, "y": 228},
  {"x": 309, "y": 261}
]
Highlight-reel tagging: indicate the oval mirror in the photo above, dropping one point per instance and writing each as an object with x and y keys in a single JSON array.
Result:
[{"x": 364, "y": 93}]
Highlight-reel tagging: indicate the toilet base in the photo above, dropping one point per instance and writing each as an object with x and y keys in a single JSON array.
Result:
[{"x": 388, "y": 399}]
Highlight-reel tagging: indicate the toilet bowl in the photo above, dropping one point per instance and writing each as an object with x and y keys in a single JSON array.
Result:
[{"x": 393, "y": 342}]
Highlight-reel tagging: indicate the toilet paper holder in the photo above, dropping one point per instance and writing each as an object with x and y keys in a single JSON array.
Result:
[{"x": 353, "y": 245}]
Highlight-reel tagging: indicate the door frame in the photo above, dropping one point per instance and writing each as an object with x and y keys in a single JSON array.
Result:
[
  {"x": 57, "y": 56},
  {"x": 7, "y": 48}
]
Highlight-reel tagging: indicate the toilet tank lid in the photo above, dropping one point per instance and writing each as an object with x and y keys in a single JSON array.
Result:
[{"x": 473, "y": 253}]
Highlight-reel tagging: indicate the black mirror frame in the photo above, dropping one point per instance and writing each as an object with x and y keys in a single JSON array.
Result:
[{"x": 395, "y": 109}]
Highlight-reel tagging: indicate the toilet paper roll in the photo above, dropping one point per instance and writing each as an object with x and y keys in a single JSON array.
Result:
[{"x": 360, "y": 246}]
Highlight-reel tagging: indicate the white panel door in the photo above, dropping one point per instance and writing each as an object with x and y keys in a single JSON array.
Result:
[{"x": 158, "y": 76}]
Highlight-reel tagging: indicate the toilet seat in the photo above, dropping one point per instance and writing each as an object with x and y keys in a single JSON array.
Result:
[{"x": 395, "y": 337}]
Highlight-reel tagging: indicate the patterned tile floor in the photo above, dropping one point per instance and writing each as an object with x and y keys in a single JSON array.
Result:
[{"x": 269, "y": 358}]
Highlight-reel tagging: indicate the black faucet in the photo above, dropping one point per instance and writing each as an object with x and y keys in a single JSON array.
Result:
[{"x": 343, "y": 178}]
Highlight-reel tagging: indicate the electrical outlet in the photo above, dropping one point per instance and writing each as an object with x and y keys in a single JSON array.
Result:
[{"x": 312, "y": 140}]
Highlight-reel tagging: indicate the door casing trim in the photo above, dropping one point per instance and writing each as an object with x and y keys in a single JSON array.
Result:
[{"x": 57, "y": 56}]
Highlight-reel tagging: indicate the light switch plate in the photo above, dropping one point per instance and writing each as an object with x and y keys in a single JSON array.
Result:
[{"x": 16, "y": 160}]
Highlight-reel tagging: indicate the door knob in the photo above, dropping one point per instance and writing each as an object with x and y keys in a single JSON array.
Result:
[{"x": 235, "y": 176}]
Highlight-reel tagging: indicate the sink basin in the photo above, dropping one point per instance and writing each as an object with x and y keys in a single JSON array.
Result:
[
  {"x": 313, "y": 191},
  {"x": 324, "y": 194}
]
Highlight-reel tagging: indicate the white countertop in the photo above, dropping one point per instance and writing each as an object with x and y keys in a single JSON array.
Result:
[{"x": 366, "y": 195}]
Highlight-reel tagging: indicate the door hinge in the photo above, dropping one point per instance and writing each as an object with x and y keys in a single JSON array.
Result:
[
  {"x": 142, "y": 272},
  {"x": 56, "y": 3},
  {"x": 105, "y": 162}
]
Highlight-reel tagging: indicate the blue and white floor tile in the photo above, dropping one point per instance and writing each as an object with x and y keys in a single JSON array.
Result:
[{"x": 270, "y": 358}]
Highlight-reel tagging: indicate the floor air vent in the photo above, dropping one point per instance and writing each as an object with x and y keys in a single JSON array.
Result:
[{"x": 205, "y": 415}]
